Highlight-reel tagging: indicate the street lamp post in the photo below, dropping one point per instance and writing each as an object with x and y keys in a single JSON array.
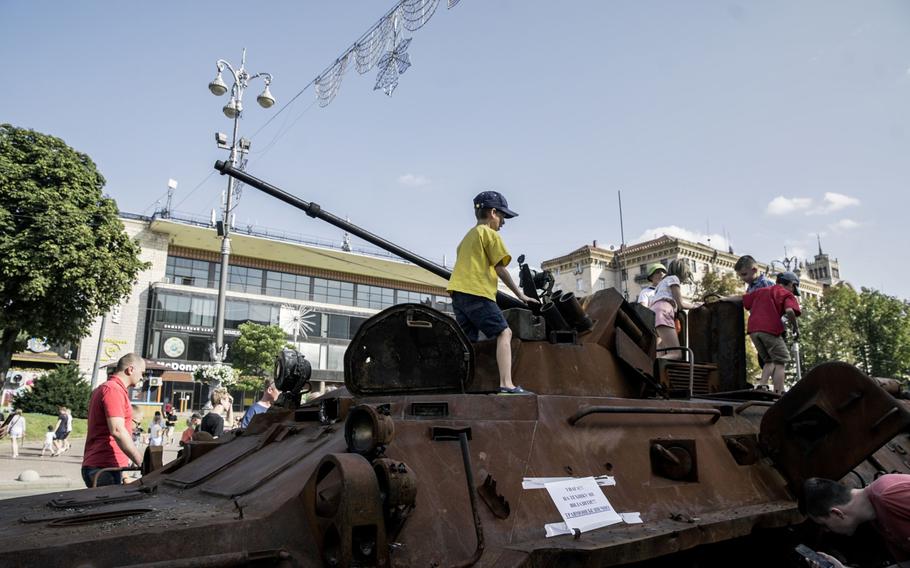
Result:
[{"x": 233, "y": 110}]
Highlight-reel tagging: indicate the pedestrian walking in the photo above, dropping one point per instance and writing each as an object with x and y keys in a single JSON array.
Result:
[
  {"x": 49, "y": 442},
  {"x": 16, "y": 429},
  {"x": 156, "y": 431}
]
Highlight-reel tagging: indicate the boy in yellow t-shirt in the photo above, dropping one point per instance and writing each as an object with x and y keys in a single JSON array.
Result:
[{"x": 482, "y": 260}]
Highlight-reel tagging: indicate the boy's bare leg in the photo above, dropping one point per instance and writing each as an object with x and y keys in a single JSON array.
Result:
[
  {"x": 766, "y": 373},
  {"x": 504, "y": 358},
  {"x": 778, "y": 377}
]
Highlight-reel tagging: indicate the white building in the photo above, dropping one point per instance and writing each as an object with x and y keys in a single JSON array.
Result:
[{"x": 591, "y": 268}]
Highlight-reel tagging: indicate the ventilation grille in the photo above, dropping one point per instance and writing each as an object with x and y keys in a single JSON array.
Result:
[{"x": 676, "y": 376}]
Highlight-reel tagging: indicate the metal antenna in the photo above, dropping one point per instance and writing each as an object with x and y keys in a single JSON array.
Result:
[{"x": 622, "y": 246}]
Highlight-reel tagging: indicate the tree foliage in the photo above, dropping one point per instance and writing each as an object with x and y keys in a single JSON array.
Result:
[
  {"x": 713, "y": 284},
  {"x": 867, "y": 328},
  {"x": 62, "y": 386},
  {"x": 254, "y": 352},
  {"x": 65, "y": 258}
]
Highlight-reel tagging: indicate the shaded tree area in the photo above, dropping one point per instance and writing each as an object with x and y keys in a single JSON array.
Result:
[
  {"x": 62, "y": 386},
  {"x": 65, "y": 258},
  {"x": 867, "y": 328},
  {"x": 254, "y": 353}
]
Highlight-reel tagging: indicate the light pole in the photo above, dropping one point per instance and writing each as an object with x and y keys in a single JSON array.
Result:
[{"x": 233, "y": 110}]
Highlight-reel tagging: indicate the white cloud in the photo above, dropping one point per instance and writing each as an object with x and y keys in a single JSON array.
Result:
[
  {"x": 781, "y": 205},
  {"x": 413, "y": 180},
  {"x": 844, "y": 225},
  {"x": 838, "y": 201},
  {"x": 714, "y": 240}
]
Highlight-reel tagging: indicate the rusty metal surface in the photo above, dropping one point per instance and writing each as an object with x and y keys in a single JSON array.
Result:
[
  {"x": 716, "y": 335},
  {"x": 262, "y": 496},
  {"x": 829, "y": 422},
  {"x": 396, "y": 350}
]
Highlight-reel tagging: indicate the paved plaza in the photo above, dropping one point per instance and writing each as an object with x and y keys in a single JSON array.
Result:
[{"x": 62, "y": 473}]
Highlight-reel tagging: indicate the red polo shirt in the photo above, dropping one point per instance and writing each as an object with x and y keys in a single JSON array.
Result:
[
  {"x": 890, "y": 497},
  {"x": 109, "y": 399},
  {"x": 766, "y": 306}
]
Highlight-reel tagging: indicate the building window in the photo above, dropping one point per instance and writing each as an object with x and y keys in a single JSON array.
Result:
[
  {"x": 189, "y": 272},
  {"x": 579, "y": 284},
  {"x": 339, "y": 327},
  {"x": 408, "y": 297},
  {"x": 287, "y": 285},
  {"x": 643, "y": 269},
  {"x": 173, "y": 308},
  {"x": 202, "y": 312},
  {"x": 601, "y": 283},
  {"x": 375, "y": 297},
  {"x": 244, "y": 279},
  {"x": 333, "y": 292}
]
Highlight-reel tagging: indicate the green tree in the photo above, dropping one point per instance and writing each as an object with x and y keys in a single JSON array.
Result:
[
  {"x": 65, "y": 258},
  {"x": 827, "y": 327},
  {"x": 712, "y": 284},
  {"x": 254, "y": 352},
  {"x": 64, "y": 385},
  {"x": 883, "y": 326}
]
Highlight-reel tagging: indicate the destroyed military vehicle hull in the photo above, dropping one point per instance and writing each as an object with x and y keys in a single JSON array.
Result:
[{"x": 418, "y": 463}]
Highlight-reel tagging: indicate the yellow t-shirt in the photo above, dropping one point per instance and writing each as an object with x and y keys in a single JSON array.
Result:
[{"x": 480, "y": 251}]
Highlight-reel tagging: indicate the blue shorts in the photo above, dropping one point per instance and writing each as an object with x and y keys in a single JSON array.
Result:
[
  {"x": 475, "y": 314},
  {"x": 106, "y": 478}
]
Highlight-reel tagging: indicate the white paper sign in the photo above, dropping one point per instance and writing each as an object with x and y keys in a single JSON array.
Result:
[
  {"x": 541, "y": 482},
  {"x": 582, "y": 504}
]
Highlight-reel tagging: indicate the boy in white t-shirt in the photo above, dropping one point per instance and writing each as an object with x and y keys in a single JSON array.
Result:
[{"x": 49, "y": 442}]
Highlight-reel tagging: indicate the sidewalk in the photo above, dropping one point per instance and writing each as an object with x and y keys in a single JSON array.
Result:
[{"x": 63, "y": 473}]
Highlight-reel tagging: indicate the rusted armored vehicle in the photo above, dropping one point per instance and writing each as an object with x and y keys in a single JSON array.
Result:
[{"x": 416, "y": 463}]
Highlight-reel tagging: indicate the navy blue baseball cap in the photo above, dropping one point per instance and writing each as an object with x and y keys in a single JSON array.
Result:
[
  {"x": 494, "y": 200},
  {"x": 790, "y": 277}
]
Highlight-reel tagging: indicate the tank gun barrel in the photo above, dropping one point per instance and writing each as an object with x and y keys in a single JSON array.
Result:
[{"x": 317, "y": 212}]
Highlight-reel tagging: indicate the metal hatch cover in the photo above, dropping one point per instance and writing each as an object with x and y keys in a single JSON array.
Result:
[
  {"x": 408, "y": 348},
  {"x": 829, "y": 423}
]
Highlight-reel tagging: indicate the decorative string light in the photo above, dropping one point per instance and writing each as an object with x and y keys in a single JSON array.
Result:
[{"x": 380, "y": 46}]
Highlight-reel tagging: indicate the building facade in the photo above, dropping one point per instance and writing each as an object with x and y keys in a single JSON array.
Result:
[
  {"x": 823, "y": 269},
  {"x": 319, "y": 295},
  {"x": 591, "y": 268}
]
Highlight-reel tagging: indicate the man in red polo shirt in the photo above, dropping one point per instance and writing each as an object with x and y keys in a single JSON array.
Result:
[{"x": 109, "y": 442}]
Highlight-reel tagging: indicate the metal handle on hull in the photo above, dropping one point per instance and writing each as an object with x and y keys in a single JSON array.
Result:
[{"x": 713, "y": 412}]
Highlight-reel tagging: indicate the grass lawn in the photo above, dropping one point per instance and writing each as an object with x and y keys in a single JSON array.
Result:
[{"x": 36, "y": 426}]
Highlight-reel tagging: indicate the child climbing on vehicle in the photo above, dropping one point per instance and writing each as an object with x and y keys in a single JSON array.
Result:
[{"x": 480, "y": 264}]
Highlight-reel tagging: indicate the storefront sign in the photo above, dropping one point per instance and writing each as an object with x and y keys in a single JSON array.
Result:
[
  {"x": 184, "y": 367},
  {"x": 198, "y": 329},
  {"x": 174, "y": 347}
]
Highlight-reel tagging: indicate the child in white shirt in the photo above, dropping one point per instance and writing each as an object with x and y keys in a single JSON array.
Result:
[{"x": 49, "y": 441}]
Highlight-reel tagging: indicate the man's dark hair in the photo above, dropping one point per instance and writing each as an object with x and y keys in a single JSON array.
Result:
[
  {"x": 821, "y": 495},
  {"x": 482, "y": 212},
  {"x": 745, "y": 261}
]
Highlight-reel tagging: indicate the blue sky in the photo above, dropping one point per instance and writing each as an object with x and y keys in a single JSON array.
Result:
[{"x": 762, "y": 123}]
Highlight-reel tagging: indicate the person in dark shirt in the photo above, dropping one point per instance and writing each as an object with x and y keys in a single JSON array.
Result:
[{"x": 222, "y": 403}]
